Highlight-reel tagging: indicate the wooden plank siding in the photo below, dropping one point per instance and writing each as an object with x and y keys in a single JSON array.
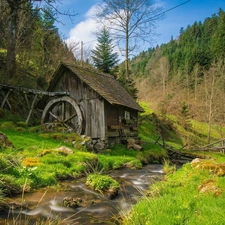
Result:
[
  {"x": 91, "y": 103},
  {"x": 116, "y": 125}
]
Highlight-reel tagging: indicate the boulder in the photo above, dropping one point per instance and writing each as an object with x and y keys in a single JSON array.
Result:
[
  {"x": 64, "y": 150},
  {"x": 99, "y": 146},
  {"x": 212, "y": 166},
  {"x": 131, "y": 144},
  {"x": 4, "y": 141},
  {"x": 71, "y": 202}
]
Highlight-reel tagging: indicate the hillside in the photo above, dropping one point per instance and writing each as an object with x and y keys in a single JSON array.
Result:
[{"x": 186, "y": 76}]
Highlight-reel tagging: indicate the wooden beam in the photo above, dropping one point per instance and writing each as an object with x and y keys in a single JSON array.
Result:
[
  {"x": 5, "y": 99},
  {"x": 33, "y": 91},
  {"x": 28, "y": 103},
  {"x": 31, "y": 109},
  {"x": 222, "y": 140}
]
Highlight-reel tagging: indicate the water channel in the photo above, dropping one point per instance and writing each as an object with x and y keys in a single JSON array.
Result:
[{"x": 95, "y": 208}]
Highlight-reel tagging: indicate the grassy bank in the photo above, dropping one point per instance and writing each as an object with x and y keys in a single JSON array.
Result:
[
  {"x": 192, "y": 195},
  {"x": 40, "y": 159}
]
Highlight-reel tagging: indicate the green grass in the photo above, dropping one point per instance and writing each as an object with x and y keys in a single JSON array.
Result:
[
  {"x": 102, "y": 183},
  {"x": 178, "y": 201},
  {"x": 35, "y": 162}
]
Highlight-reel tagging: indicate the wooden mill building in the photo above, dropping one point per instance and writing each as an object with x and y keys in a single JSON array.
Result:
[{"x": 96, "y": 104}]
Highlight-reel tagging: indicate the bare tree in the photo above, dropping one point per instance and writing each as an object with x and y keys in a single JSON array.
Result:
[
  {"x": 213, "y": 96},
  {"x": 129, "y": 21},
  {"x": 164, "y": 69}
]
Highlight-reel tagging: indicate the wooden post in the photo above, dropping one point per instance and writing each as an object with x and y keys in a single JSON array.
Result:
[
  {"x": 31, "y": 109},
  {"x": 6, "y": 99},
  {"x": 81, "y": 52}
]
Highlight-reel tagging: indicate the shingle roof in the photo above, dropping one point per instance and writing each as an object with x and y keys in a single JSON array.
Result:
[{"x": 104, "y": 84}]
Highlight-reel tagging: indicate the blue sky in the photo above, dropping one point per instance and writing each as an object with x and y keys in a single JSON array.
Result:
[{"x": 82, "y": 28}]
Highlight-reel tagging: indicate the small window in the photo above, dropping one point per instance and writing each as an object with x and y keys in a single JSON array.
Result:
[{"x": 127, "y": 115}]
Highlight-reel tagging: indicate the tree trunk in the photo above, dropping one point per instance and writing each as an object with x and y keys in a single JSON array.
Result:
[{"x": 11, "y": 46}]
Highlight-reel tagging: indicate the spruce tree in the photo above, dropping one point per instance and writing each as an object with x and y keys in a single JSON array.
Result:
[{"x": 103, "y": 56}]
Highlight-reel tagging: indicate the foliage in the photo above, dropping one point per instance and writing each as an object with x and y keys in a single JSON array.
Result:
[
  {"x": 127, "y": 83},
  {"x": 32, "y": 45},
  {"x": 186, "y": 73},
  {"x": 168, "y": 167},
  {"x": 103, "y": 57}
]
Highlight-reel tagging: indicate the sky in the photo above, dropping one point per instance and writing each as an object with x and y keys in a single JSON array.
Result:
[{"x": 83, "y": 27}]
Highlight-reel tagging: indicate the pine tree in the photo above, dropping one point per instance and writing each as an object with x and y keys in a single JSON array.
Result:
[{"x": 103, "y": 56}]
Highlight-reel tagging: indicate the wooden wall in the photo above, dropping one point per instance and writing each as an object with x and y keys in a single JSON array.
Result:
[
  {"x": 91, "y": 103},
  {"x": 117, "y": 125},
  {"x": 102, "y": 119}
]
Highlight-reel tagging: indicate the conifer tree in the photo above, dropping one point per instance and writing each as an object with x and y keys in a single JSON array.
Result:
[{"x": 103, "y": 56}]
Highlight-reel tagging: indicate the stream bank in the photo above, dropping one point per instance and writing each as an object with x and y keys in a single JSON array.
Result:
[{"x": 94, "y": 208}]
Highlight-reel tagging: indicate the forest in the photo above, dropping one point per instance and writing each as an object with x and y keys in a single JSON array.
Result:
[
  {"x": 186, "y": 75},
  {"x": 33, "y": 42}
]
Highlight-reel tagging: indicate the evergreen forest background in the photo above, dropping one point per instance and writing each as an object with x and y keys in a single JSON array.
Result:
[{"x": 186, "y": 76}]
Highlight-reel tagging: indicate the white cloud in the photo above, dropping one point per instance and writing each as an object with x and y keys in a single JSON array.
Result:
[{"x": 85, "y": 30}]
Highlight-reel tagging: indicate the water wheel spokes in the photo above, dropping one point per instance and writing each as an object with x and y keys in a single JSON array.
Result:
[
  {"x": 70, "y": 118},
  {"x": 64, "y": 110}
]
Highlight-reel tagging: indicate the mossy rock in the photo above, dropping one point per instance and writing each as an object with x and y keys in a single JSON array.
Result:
[
  {"x": 216, "y": 168},
  {"x": 8, "y": 125},
  {"x": 103, "y": 184},
  {"x": 21, "y": 124},
  {"x": 4, "y": 141},
  {"x": 209, "y": 186}
]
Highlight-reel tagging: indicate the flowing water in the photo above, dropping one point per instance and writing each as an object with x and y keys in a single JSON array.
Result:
[{"x": 95, "y": 208}]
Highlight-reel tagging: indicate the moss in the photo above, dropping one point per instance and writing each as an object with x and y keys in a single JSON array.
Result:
[
  {"x": 8, "y": 125},
  {"x": 210, "y": 165},
  {"x": 102, "y": 183},
  {"x": 30, "y": 162}
]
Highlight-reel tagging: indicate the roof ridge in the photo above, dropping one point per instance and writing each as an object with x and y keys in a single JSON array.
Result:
[{"x": 89, "y": 70}]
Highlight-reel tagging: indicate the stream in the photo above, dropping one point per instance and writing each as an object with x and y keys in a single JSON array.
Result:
[{"x": 95, "y": 208}]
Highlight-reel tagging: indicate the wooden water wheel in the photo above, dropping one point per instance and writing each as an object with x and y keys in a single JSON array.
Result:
[{"x": 66, "y": 111}]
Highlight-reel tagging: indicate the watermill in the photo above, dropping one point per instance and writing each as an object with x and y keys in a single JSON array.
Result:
[{"x": 81, "y": 100}]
